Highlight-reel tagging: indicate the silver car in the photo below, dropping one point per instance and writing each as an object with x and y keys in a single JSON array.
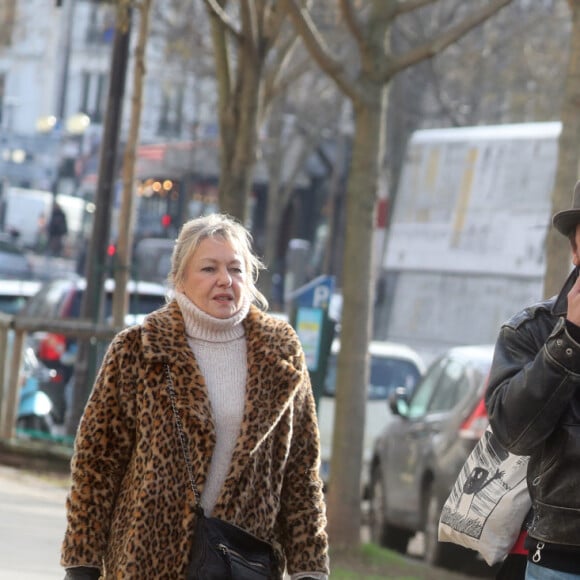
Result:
[{"x": 421, "y": 450}]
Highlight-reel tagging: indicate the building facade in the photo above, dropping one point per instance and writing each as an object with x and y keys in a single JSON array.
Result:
[{"x": 55, "y": 58}]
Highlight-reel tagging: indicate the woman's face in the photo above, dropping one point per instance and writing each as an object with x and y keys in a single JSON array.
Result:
[{"x": 215, "y": 278}]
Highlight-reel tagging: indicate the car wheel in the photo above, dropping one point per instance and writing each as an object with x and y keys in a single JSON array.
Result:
[
  {"x": 442, "y": 554},
  {"x": 32, "y": 424},
  {"x": 382, "y": 532}
]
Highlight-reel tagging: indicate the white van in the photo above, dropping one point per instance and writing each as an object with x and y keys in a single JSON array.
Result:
[
  {"x": 466, "y": 244},
  {"x": 392, "y": 365},
  {"x": 24, "y": 209}
]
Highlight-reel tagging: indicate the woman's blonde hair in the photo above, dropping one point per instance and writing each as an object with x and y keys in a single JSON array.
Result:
[{"x": 222, "y": 226}]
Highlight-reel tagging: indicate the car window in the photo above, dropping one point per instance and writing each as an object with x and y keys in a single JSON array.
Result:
[
  {"x": 45, "y": 303},
  {"x": 138, "y": 304},
  {"x": 452, "y": 386},
  {"x": 419, "y": 402},
  {"x": 386, "y": 374},
  {"x": 13, "y": 261},
  {"x": 11, "y": 304},
  {"x": 145, "y": 303}
]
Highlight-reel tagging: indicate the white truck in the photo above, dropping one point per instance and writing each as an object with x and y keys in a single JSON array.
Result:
[
  {"x": 24, "y": 210},
  {"x": 466, "y": 246}
]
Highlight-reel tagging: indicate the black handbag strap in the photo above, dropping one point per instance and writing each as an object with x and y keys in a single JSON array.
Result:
[{"x": 184, "y": 447}]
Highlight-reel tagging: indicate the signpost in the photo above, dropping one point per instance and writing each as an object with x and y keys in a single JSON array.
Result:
[{"x": 310, "y": 318}]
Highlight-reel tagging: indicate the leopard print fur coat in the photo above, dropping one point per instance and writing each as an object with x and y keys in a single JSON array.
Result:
[{"x": 130, "y": 510}]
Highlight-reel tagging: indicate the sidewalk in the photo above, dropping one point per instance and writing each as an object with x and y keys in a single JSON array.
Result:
[
  {"x": 39, "y": 456},
  {"x": 32, "y": 524}
]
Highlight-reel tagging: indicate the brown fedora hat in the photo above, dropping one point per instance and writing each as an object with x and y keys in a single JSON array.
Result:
[{"x": 565, "y": 221}]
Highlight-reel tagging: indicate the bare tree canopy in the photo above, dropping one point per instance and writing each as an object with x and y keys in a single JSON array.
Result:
[{"x": 369, "y": 25}]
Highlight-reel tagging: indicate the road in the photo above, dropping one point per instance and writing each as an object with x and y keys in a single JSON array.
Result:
[{"x": 31, "y": 526}]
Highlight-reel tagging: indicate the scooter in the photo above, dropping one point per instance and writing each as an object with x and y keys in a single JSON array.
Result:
[{"x": 35, "y": 417}]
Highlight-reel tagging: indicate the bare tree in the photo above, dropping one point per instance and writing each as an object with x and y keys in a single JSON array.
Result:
[
  {"x": 250, "y": 60},
  {"x": 567, "y": 172},
  {"x": 369, "y": 26},
  {"x": 302, "y": 116},
  {"x": 285, "y": 76}
]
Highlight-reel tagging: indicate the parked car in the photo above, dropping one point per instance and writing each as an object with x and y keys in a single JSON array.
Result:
[
  {"x": 153, "y": 258},
  {"x": 15, "y": 293},
  {"x": 60, "y": 299},
  {"x": 417, "y": 457},
  {"x": 392, "y": 365},
  {"x": 14, "y": 262}
]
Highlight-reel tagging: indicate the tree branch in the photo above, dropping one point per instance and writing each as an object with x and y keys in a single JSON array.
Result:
[
  {"x": 218, "y": 12},
  {"x": 273, "y": 21},
  {"x": 223, "y": 71},
  {"x": 249, "y": 24},
  {"x": 353, "y": 24},
  {"x": 318, "y": 49},
  {"x": 457, "y": 120},
  {"x": 406, "y": 6},
  {"x": 276, "y": 84},
  {"x": 442, "y": 41}
]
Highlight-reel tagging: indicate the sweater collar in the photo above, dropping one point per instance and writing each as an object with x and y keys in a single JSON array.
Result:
[
  {"x": 164, "y": 339},
  {"x": 200, "y": 325}
]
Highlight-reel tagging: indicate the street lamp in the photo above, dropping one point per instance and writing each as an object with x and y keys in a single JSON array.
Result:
[
  {"x": 77, "y": 124},
  {"x": 46, "y": 124}
]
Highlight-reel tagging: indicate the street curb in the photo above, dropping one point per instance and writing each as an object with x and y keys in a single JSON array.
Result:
[{"x": 35, "y": 455}]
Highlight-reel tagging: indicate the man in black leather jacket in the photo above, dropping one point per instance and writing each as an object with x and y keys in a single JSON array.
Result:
[{"x": 533, "y": 402}]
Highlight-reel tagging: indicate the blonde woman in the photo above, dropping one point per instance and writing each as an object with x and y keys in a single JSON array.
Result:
[{"x": 243, "y": 393}]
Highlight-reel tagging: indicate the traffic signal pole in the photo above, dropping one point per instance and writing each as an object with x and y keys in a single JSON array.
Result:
[{"x": 92, "y": 305}]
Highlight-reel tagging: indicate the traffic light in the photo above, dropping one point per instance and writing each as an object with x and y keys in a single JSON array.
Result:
[{"x": 166, "y": 220}]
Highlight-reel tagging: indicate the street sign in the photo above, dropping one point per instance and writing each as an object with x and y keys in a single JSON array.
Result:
[
  {"x": 315, "y": 294},
  {"x": 315, "y": 329}
]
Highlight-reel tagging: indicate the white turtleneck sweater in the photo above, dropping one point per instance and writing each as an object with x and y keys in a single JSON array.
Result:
[{"x": 219, "y": 346}]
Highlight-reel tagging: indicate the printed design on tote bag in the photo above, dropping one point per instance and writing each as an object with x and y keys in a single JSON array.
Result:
[{"x": 480, "y": 487}]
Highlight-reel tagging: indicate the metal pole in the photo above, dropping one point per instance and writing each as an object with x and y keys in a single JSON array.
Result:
[
  {"x": 85, "y": 367},
  {"x": 66, "y": 34}
]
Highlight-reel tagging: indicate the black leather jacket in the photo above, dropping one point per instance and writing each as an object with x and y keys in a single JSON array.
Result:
[{"x": 533, "y": 402}]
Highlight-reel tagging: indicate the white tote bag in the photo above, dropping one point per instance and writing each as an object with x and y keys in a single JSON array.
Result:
[{"x": 488, "y": 502}]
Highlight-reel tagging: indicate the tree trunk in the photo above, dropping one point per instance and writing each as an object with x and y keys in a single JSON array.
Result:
[
  {"x": 358, "y": 290},
  {"x": 126, "y": 217},
  {"x": 239, "y": 156},
  {"x": 239, "y": 106},
  {"x": 558, "y": 261}
]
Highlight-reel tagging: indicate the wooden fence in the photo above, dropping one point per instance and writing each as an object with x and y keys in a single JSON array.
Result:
[{"x": 12, "y": 351}]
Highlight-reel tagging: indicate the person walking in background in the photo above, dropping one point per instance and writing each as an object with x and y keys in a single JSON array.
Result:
[
  {"x": 57, "y": 229},
  {"x": 41, "y": 238},
  {"x": 533, "y": 402},
  {"x": 243, "y": 392}
]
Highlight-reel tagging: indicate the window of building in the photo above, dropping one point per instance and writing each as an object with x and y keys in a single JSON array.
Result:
[
  {"x": 171, "y": 115},
  {"x": 93, "y": 96},
  {"x": 101, "y": 28}
]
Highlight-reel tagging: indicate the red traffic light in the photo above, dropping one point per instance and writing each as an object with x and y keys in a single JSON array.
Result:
[{"x": 166, "y": 220}]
